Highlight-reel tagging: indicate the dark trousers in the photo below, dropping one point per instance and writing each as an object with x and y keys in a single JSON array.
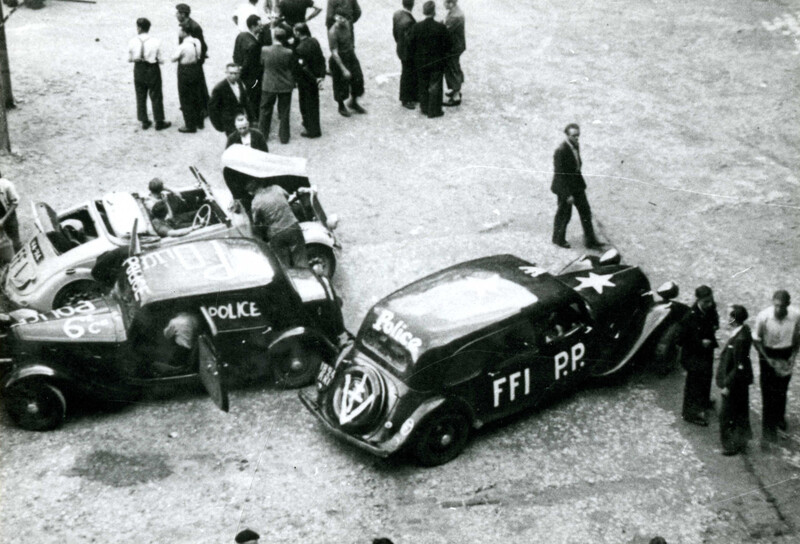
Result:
[
  {"x": 268, "y": 100},
  {"x": 696, "y": 393},
  {"x": 147, "y": 80},
  {"x": 308, "y": 96},
  {"x": 773, "y": 394},
  {"x": 734, "y": 419},
  {"x": 408, "y": 82},
  {"x": 453, "y": 74},
  {"x": 253, "y": 100},
  {"x": 289, "y": 247},
  {"x": 11, "y": 228},
  {"x": 344, "y": 88},
  {"x": 564, "y": 214},
  {"x": 190, "y": 94},
  {"x": 429, "y": 90}
]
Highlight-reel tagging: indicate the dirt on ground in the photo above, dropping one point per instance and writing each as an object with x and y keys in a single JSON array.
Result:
[{"x": 690, "y": 135}]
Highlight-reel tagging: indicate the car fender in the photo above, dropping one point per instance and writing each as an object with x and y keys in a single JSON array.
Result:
[
  {"x": 34, "y": 370},
  {"x": 317, "y": 233},
  {"x": 659, "y": 314},
  {"x": 409, "y": 428},
  {"x": 299, "y": 332}
]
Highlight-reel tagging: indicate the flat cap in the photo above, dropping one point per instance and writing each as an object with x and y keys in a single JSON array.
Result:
[
  {"x": 246, "y": 536},
  {"x": 183, "y": 8}
]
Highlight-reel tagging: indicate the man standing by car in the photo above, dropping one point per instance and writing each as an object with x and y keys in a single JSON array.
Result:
[
  {"x": 698, "y": 341},
  {"x": 244, "y": 135},
  {"x": 402, "y": 22},
  {"x": 570, "y": 188},
  {"x": 247, "y": 54},
  {"x": 277, "y": 84},
  {"x": 145, "y": 52},
  {"x": 428, "y": 45},
  {"x": 228, "y": 98},
  {"x": 776, "y": 337},
  {"x": 454, "y": 21},
  {"x": 310, "y": 75},
  {"x": 275, "y": 223},
  {"x": 9, "y": 224}
]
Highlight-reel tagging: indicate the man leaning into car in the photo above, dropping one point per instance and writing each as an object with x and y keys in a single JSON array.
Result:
[
  {"x": 162, "y": 226},
  {"x": 276, "y": 224}
]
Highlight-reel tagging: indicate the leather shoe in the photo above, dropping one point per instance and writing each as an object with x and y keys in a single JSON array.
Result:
[
  {"x": 435, "y": 115},
  {"x": 305, "y": 134},
  {"x": 701, "y": 421},
  {"x": 343, "y": 111},
  {"x": 450, "y": 103},
  {"x": 409, "y": 105},
  {"x": 187, "y": 130},
  {"x": 163, "y": 125},
  {"x": 146, "y": 124},
  {"x": 562, "y": 243}
]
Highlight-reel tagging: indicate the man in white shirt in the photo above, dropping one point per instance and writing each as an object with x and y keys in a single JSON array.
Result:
[
  {"x": 776, "y": 337},
  {"x": 246, "y": 9},
  {"x": 190, "y": 82},
  {"x": 145, "y": 52}
]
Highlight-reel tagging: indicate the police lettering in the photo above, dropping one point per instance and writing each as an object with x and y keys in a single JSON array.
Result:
[
  {"x": 235, "y": 310},
  {"x": 562, "y": 360},
  {"x": 513, "y": 385},
  {"x": 398, "y": 331},
  {"x": 136, "y": 278}
]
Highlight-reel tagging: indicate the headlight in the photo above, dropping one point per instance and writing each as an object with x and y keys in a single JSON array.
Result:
[{"x": 333, "y": 221}]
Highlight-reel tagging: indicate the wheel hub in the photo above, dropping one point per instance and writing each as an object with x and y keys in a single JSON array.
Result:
[
  {"x": 446, "y": 440},
  {"x": 296, "y": 365},
  {"x": 32, "y": 408}
]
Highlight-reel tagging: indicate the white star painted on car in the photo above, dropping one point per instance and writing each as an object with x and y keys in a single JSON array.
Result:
[{"x": 596, "y": 282}]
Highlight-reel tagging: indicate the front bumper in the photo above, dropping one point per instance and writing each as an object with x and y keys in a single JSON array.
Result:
[{"x": 381, "y": 450}]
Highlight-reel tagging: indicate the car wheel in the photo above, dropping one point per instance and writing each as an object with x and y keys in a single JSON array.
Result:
[
  {"x": 441, "y": 439},
  {"x": 76, "y": 292},
  {"x": 321, "y": 260},
  {"x": 295, "y": 364},
  {"x": 35, "y": 405},
  {"x": 667, "y": 352}
]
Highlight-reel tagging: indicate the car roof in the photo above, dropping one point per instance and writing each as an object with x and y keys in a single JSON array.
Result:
[
  {"x": 470, "y": 296},
  {"x": 260, "y": 164},
  {"x": 200, "y": 268}
]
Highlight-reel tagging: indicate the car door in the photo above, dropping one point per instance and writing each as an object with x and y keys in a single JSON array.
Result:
[
  {"x": 568, "y": 345},
  {"x": 212, "y": 372}
]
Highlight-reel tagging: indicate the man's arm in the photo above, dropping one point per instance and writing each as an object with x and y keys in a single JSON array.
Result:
[
  {"x": 335, "y": 53},
  {"x": 356, "y": 11},
  {"x": 10, "y": 210},
  {"x": 314, "y": 12},
  {"x": 330, "y": 12}
]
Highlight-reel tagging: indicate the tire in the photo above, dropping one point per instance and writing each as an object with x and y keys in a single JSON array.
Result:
[
  {"x": 321, "y": 259},
  {"x": 442, "y": 437},
  {"x": 35, "y": 405},
  {"x": 295, "y": 364},
  {"x": 666, "y": 355},
  {"x": 77, "y": 291}
]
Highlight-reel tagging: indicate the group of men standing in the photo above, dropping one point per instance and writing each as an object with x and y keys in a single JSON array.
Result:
[
  {"x": 430, "y": 51},
  {"x": 776, "y": 337}
]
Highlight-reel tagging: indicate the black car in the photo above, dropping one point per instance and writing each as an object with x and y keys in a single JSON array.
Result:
[
  {"x": 482, "y": 340},
  {"x": 252, "y": 316}
]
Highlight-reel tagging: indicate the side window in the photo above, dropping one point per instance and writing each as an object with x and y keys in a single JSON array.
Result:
[
  {"x": 564, "y": 322},
  {"x": 521, "y": 337}
]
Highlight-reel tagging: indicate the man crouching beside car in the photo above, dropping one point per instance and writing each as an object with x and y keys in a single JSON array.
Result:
[{"x": 275, "y": 223}]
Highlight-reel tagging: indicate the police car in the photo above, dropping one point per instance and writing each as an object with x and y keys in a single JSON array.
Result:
[
  {"x": 254, "y": 318},
  {"x": 483, "y": 340}
]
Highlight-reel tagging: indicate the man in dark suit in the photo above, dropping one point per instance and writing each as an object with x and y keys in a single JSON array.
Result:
[
  {"x": 309, "y": 76},
  {"x": 277, "y": 84},
  {"x": 402, "y": 22},
  {"x": 228, "y": 98},
  {"x": 570, "y": 188},
  {"x": 247, "y": 54},
  {"x": 454, "y": 21},
  {"x": 244, "y": 135},
  {"x": 428, "y": 45},
  {"x": 193, "y": 29}
]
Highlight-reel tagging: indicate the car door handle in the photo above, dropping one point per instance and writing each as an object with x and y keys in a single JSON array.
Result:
[{"x": 493, "y": 374}]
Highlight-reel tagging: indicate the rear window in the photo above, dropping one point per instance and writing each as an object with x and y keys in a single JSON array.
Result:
[{"x": 393, "y": 354}]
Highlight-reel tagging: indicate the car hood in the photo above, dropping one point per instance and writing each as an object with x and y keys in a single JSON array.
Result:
[
  {"x": 89, "y": 321},
  {"x": 608, "y": 288}
]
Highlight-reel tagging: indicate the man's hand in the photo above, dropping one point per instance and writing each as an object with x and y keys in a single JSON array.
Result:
[
  {"x": 346, "y": 73},
  {"x": 570, "y": 200},
  {"x": 707, "y": 343},
  {"x": 724, "y": 392},
  {"x": 320, "y": 81}
]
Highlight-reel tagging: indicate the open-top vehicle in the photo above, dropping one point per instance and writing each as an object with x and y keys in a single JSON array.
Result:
[
  {"x": 53, "y": 269},
  {"x": 252, "y": 316},
  {"x": 482, "y": 340}
]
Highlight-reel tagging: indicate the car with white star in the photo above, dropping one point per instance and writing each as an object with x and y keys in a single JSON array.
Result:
[{"x": 485, "y": 339}]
